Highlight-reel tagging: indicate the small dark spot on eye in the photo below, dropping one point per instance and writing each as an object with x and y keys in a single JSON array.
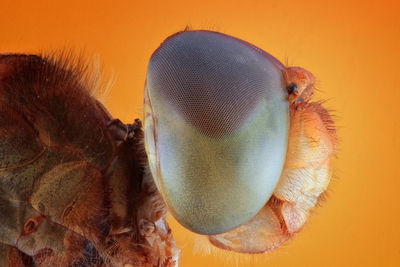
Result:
[{"x": 292, "y": 88}]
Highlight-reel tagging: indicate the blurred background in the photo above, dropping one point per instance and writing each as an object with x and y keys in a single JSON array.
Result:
[{"x": 352, "y": 47}]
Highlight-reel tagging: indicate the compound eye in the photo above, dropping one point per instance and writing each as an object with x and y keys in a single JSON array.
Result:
[{"x": 216, "y": 127}]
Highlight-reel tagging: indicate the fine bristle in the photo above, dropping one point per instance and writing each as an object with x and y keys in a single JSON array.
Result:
[{"x": 199, "y": 245}]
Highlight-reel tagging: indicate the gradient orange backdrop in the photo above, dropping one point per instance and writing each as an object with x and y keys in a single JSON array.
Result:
[{"x": 352, "y": 47}]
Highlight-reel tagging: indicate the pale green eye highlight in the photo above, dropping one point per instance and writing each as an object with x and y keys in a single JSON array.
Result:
[{"x": 216, "y": 128}]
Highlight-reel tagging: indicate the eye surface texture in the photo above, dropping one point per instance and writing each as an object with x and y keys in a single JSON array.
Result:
[{"x": 216, "y": 128}]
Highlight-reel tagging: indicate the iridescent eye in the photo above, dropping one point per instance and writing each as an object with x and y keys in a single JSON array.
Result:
[{"x": 216, "y": 128}]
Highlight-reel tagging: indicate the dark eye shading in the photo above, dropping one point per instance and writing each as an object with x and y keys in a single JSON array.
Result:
[{"x": 214, "y": 89}]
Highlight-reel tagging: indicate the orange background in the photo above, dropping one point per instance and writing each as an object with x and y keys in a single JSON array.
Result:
[{"x": 351, "y": 47}]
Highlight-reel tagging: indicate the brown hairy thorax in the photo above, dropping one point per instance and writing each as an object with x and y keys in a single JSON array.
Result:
[{"x": 73, "y": 180}]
